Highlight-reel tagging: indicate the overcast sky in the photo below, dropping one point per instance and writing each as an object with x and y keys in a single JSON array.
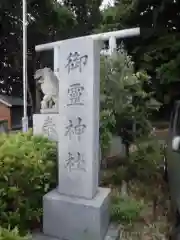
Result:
[{"x": 106, "y": 2}]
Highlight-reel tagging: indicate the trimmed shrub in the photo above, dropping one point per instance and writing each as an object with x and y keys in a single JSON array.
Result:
[
  {"x": 8, "y": 234},
  {"x": 28, "y": 171}
]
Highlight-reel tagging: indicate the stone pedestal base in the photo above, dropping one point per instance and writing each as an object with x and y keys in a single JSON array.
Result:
[
  {"x": 113, "y": 233},
  {"x": 69, "y": 218},
  {"x": 47, "y": 125}
]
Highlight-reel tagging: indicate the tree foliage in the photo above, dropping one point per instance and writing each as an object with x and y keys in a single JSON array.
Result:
[
  {"x": 123, "y": 90},
  {"x": 48, "y": 20},
  {"x": 87, "y": 15},
  {"x": 157, "y": 49}
]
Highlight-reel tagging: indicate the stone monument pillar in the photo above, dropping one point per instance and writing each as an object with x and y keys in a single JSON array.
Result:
[{"x": 78, "y": 208}]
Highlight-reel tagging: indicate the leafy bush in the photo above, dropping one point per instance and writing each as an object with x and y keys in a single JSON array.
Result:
[
  {"x": 27, "y": 167},
  {"x": 107, "y": 123},
  {"x": 123, "y": 98},
  {"x": 8, "y": 234},
  {"x": 125, "y": 209},
  {"x": 114, "y": 176},
  {"x": 144, "y": 163},
  {"x": 124, "y": 93}
]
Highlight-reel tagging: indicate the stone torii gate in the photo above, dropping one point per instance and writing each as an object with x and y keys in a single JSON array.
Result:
[
  {"x": 78, "y": 208},
  {"x": 107, "y": 36}
]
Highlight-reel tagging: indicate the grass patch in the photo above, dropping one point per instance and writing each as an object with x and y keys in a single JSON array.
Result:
[{"x": 125, "y": 209}]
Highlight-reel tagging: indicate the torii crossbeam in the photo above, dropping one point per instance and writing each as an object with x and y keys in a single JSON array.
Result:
[{"x": 111, "y": 36}]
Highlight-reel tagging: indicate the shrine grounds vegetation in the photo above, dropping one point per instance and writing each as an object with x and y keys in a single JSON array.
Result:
[
  {"x": 140, "y": 201},
  {"x": 28, "y": 166},
  {"x": 12, "y": 234},
  {"x": 139, "y": 195},
  {"x": 28, "y": 171}
]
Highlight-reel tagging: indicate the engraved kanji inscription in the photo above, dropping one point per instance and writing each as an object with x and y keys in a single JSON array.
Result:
[
  {"x": 75, "y": 92},
  {"x": 75, "y": 162},
  {"x": 49, "y": 128},
  {"x": 70, "y": 162},
  {"x": 79, "y": 128},
  {"x": 76, "y": 61},
  {"x": 69, "y": 130},
  {"x": 75, "y": 129},
  {"x": 80, "y": 162}
]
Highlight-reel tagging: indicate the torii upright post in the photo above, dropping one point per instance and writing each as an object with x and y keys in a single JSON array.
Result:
[{"x": 78, "y": 208}]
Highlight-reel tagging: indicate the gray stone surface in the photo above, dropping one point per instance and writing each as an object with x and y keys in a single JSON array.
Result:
[
  {"x": 72, "y": 218},
  {"x": 77, "y": 209},
  {"x": 78, "y": 132},
  {"x": 113, "y": 233},
  {"x": 46, "y": 125}
]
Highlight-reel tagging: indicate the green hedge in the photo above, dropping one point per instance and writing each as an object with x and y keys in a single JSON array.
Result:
[
  {"x": 27, "y": 172},
  {"x": 12, "y": 234}
]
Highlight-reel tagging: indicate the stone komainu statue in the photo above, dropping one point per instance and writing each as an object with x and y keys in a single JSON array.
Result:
[{"x": 49, "y": 86}]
